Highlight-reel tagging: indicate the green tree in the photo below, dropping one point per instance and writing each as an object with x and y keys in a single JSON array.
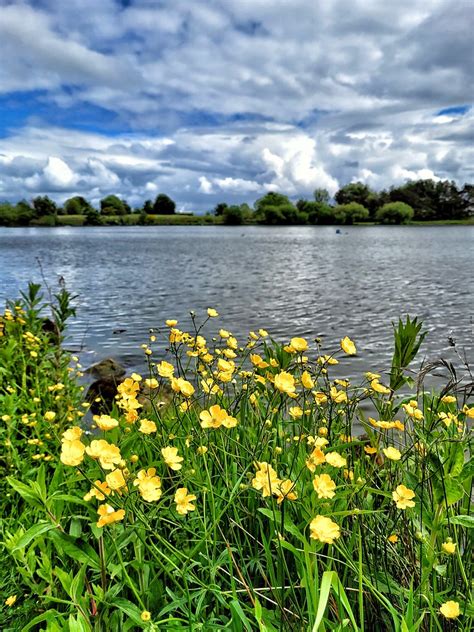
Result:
[
  {"x": 394, "y": 213},
  {"x": 232, "y": 215},
  {"x": 219, "y": 209},
  {"x": 148, "y": 207},
  {"x": 164, "y": 205},
  {"x": 350, "y": 213},
  {"x": 77, "y": 205},
  {"x": 360, "y": 193},
  {"x": 43, "y": 205},
  {"x": 112, "y": 205},
  {"x": 321, "y": 195}
]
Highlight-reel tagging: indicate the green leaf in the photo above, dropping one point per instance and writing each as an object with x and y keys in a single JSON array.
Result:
[
  {"x": 82, "y": 553},
  {"x": 31, "y": 534},
  {"x": 51, "y": 617},
  {"x": 239, "y": 614},
  {"x": 463, "y": 521},
  {"x": 454, "y": 490},
  {"x": 26, "y": 491},
  {"x": 130, "y": 609}
]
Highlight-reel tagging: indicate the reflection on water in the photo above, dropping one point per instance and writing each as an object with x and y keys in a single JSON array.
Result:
[{"x": 307, "y": 281}]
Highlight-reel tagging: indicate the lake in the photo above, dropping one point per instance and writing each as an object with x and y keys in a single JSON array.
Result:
[{"x": 305, "y": 281}]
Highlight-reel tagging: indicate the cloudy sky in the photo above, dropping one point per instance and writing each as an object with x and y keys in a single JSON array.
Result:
[{"x": 224, "y": 100}]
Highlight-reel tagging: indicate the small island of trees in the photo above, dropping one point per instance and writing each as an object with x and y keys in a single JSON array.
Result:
[{"x": 415, "y": 201}]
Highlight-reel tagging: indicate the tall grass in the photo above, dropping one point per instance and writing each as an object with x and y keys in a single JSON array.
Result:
[{"x": 230, "y": 488}]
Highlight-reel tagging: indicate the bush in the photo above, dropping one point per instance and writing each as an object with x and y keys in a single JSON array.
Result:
[
  {"x": 394, "y": 213},
  {"x": 232, "y": 215},
  {"x": 350, "y": 213}
]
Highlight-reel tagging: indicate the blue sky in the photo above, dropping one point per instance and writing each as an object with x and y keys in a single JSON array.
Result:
[{"x": 228, "y": 99}]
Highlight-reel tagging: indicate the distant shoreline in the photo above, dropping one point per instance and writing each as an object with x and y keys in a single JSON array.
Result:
[{"x": 202, "y": 220}]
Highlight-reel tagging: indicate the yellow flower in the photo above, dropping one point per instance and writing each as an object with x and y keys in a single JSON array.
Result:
[
  {"x": 108, "y": 515},
  {"x": 348, "y": 346},
  {"x": 368, "y": 449},
  {"x": 115, "y": 480},
  {"x": 99, "y": 490},
  {"x": 72, "y": 434},
  {"x": 266, "y": 479},
  {"x": 171, "y": 322},
  {"x": 324, "y": 529},
  {"x": 339, "y": 397},
  {"x": 210, "y": 387},
  {"x": 72, "y": 452},
  {"x": 105, "y": 422},
  {"x": 393, "y": 538},
  {"x": 285, "y": 383},
  {"x": 324, "y": 486},
  {"x": 450, "y": 610},
  {"x": 306, "y": 380},
  {"x": 392, "y": 453},
  {"x": 145, "y": 615},
  {"x": 10, "y": 601},
  {"x": 449, "y": 547},
  {"x": 379, "y": 388},
  {"x": 128, "y": 388},
  {"x": 147, "y": 426},
  {"x": 335, "y": 459},
  {"x": 299, "y": 344},
  {"x": 108, "y": 454},
  {"x": 258, "y": 361},
  {"x": 327, "y": 359},
  {"x": 320, "y": 397},
  {"x": 215, "y": 417},
  {"x": 131, "y": 416},
  {"x": 148, "y": 484},
  {"x": 296, "y": 412},
  {"x": 285, "y": 491},
  {"x": 402, "y": 496},
  {"x": 179, "y": 385},
  {"x": 212, "y": 313},
  {"x": 183, "y": 501},
  {"x": 315, "y": 458},
  {"x": 202, "y": 449},
  {"x": 171, "y": 458},
  {"x": 448, "y": 399},
  {"x": 469, "y": 412},
  {"x": 165, "y": 369},
  {"x": 412, "y": 410},
  {"x": 49, "y": 415},
  {"x": 151, "y": 382}
]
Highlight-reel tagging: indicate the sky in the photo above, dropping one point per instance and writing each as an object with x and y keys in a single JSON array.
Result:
[{"x": 225, "y": 100}]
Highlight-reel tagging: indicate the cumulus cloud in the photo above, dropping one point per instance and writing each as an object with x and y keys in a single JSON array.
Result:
[{"x": 227, "y": 100}]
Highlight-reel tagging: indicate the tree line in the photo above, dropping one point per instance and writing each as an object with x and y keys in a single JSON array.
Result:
[{"x": 417, "y": 200}]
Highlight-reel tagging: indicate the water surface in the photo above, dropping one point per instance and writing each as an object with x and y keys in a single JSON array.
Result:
[{"x": 308, "y": 281}]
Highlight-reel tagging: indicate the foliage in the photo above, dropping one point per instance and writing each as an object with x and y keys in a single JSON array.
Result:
[
  {"x": 112, "y": 205},
  {"x": 43, "y": 205},
  {"x": 232, "y": 215},
  {"x": 394, "y": 213},
  {"x": 78, "y": 205},
  {"x": 260, "y": 497},
  {"x": 164, "y": 205},
  {"x": 350, "y": 213},
  {"x": 360, "y": 193}
]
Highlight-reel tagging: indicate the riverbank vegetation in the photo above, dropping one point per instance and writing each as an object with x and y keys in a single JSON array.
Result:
[
  {"x": 257, "y": 495},
  {"x": 356, "y": 203}
]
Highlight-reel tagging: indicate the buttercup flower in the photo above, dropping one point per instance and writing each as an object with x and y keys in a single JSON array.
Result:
[
  {"x": 212, "y": 313},
  {"x": 72, "y": 452},
  {"x": 105, "y": 422},
  {"x": 449, "y": 547},
  {"x": 324, "y": 529},
  {"x": 379, "y": 388},
  {"x": 147, "y": 426},
  {"x": 10, "y": 601},
  {"x": 393, "y": 538},
  {"x": 285, "y": 383},
  {"x": 49, "y": 415},
  {"x": 171, "y": 458},
  {"x": 183, "y": 501},
  {"x": 108, "y": 515},
  {"x": 266, "y": 479},
  {"x": 171, "y": 322},
  {"x": 115, "y": 480},
  {"x": 299, "y": 344},
  {"x": 285, "y": 490},
  {"x": 348, "y": 346},
  {"x": 107, "y": 454},
  {"x": 392, "y": 453},
  {"x": 335, "y": 459},
  {"x": 450, "y": 610},
  {"x": 165, "y": 369},
  {"x": 99, "y": 490},
  {"x": 180, "y": 385},
  {"x": 128, "y": 388},
  {"x": 306, "y": 380},
  {"x": 315, "y": 458},
  {"x": 145, "y": 615},
  {"x": 324, "y": 486},
  {"x": 149, "y": 485},
  {"x": 403, "y": 496},
  {"x": 296, "y": 412},
  {"x": 215, "y": 417}
]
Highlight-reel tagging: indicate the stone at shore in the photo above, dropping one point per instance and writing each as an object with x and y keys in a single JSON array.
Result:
[{"x": 106, "y": 369}]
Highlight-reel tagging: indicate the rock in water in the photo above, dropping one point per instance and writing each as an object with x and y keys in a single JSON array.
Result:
[{"x": 106, "y": 369}]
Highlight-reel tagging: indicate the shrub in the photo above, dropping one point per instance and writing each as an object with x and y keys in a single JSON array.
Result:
[{"x": 394, "y": 213}]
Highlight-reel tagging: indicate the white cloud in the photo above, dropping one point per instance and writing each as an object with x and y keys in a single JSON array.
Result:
[{"x": 229, "y": 99}]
